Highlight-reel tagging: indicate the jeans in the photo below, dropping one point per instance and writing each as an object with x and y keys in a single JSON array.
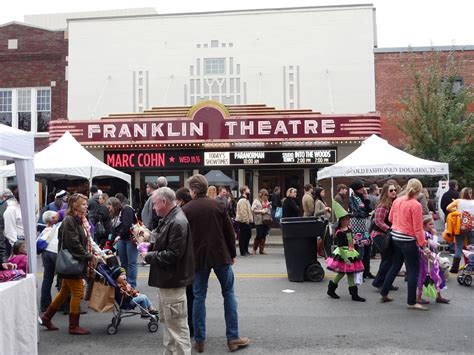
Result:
[
  {"x": 244, "y": 238},
  {"x": 385, "y": 263},
  {"x": 225, "y": 275},
  {"x": 404, "y": 252},
  {"x": 262, "y": 231},
  {"x": 49, "y": 264},
  {"x": 128, "y": 254},
  {"x": 460, "y": 242},
  {"x": 364, "y": 253},
  {"x": 143, "y": 301}
]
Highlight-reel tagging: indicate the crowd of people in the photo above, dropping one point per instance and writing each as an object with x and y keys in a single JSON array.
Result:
[{"x": 195, "y": 231}]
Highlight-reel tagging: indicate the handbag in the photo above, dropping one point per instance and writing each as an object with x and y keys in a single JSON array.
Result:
[
  {"x": 267, "y": 219},
  {"x": 99, "y": 228},
  {"x": 67, "y": 265},
  {"x": 278, "y": 212},
  {"x": 386, "y": 247},
  {"x": 42, "y": 243},
  {"x": 102, "y": 297},
  {"x": 466, "y": 222}
]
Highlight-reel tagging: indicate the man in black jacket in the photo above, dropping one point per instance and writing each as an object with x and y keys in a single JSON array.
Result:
[
  {"x": 172, "y": 269},
  {"x": 449, "y": 196}
]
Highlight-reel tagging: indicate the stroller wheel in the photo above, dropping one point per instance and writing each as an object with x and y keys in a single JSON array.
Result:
[
  {"x": 152, "y": 327},
  {"x": 111, "y": 329},
  {"x": 468, "y": 280},
  {"x": 460, "y": 279}
]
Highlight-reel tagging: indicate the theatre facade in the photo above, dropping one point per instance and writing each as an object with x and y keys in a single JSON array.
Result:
[{"x": 255, "y": 145}]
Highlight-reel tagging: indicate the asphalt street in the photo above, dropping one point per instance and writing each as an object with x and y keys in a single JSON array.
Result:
[{"x": 305, "y": 321}]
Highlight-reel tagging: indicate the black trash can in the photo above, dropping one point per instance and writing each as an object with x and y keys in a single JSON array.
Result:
[{"x": 299, "y": 243}]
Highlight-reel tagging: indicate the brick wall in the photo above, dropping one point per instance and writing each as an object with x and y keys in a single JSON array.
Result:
[
  {"x": 39, "y": 60},
  {"x": 392, "y": 83}
]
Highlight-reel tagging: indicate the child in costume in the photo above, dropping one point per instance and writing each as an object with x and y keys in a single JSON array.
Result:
[
  {"x": 345, "y": 260},
  {"x": 434, "y": 270},
  {"x": 118, "y": 274}
]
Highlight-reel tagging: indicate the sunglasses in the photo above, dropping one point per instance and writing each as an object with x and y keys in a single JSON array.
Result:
[{"x": 392, "y": 190}]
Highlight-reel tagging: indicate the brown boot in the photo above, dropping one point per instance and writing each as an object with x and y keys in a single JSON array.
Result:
[
  {"x": 74, "y": 327},
  {"x": 236, "y": 344},
  {"x": 46, "y": 319},
  {"x": 199, "y": 347},
  {"x": 262, "y": 246},
  {"x": 255, "y": 246}
]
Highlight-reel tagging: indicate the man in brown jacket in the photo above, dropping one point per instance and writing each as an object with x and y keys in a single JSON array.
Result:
[
  {"x": 308, "y": 201},
  {"x": 214, "y": 248}
]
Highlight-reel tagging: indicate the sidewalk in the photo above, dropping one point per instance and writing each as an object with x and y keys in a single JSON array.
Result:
[{"x": 274, "y": 239}]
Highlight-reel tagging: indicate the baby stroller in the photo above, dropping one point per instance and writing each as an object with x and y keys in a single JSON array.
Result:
[
  {"x": 123, "y": 306},
  {"x": 465, "y": 275}
]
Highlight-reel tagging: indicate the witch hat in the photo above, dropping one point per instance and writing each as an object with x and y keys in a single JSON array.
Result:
[{"x": 339, "y": 211}]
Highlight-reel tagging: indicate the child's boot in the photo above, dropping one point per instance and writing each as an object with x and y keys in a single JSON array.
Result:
[
  {"x": 355, "y": 295},
  {"x": 46, "y": 319},
  {"x": 332, "y": 290},
  {"x": 74, "y": 327},
  {"x": 455, "y": 267}
]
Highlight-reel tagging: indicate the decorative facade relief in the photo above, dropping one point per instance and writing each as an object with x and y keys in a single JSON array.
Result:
[
  {"x": 215, "y": 75},
  {"x": 291, "y": 87}
]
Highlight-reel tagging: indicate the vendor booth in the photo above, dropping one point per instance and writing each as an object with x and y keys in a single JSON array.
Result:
[
  {"x": 19, "y": 332},
  {"x": 375, "y": 157}
]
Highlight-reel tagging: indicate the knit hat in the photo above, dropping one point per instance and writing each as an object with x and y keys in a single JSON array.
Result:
[
  {"x": 61, "y": 193},
  {"x": 356, "y": 185},
  {"x": 116, "y": 272}
]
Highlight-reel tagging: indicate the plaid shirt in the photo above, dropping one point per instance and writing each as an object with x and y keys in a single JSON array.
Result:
[{"x": 381, "y": 213}]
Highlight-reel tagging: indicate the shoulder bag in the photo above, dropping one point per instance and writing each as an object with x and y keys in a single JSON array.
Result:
[{"x": 67, "y": 265}]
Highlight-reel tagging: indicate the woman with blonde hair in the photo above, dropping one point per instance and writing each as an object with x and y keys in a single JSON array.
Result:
[
  {"x": 212, "y": 192},
  {"x": 262, "y": 218},
  {"x": 74, "y": 235},
  {"x": 290, "y": 207},
  {"x": 406, "y": 216},
  {"x": 464, "y": 204}
]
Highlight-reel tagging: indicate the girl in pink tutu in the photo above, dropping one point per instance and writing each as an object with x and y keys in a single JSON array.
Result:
[{"x": 345, "y": 260}]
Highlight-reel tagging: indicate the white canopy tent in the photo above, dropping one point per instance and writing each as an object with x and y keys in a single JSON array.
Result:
[
  {"x": 68, "y": 158},
  {"x": 375, "y": 157},
  {"x": 19, "y": 146}
]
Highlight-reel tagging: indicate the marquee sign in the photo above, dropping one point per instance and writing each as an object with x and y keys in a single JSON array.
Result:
[
  {"x": 192, "y": 159},
  {"x": 286, "y": 157},
  {"x": 213, "y": 124}
]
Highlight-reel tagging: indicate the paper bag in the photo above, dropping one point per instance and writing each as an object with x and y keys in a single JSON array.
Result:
[{"x": 102, "y": 297}]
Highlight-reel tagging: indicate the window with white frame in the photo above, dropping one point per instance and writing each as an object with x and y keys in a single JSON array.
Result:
[
  {"x": 6, "y": 114},
  {"x": 43, "y": 109},
  {"x": 214, "y": 66},
  {"x": 28, "y": 109}
]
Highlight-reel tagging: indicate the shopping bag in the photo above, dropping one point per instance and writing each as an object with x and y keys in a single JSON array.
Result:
[
  {"x": 358, "y": 278},
  {"x": 278, "y": 212},
  {"x": 102, "y": 297}
]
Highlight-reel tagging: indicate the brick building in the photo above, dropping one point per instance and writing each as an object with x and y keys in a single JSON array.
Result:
[
  {"x": 392, "y": 81},
  {"x": 33, "y": 87}
]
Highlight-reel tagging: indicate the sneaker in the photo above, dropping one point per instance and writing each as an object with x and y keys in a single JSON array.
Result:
[
  {"x": 418, "y": 307},
  {"x": 236, "y": 344}
]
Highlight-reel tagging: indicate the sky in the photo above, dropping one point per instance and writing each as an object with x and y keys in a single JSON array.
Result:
[{"x": 400, "y": 23}]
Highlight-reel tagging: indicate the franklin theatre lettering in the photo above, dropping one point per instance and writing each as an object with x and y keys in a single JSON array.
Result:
[{"x": 226, "y": 129}]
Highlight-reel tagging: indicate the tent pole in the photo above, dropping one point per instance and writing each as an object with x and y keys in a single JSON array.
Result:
[{"x": 332, "y": 195}]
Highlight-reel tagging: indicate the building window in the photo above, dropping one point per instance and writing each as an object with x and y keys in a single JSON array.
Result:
[
  {"x": 43, "y": 108},
  {"x": 28, "y": 109},
  {"x": 6, "y": 107},
  {"x": 214, "y": 66},
  {"x": 214, "y": 43},
  {"x": 24, "y": 109}
]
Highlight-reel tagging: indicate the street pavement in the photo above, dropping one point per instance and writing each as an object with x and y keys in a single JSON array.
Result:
[{"x": 305, "y": 321}]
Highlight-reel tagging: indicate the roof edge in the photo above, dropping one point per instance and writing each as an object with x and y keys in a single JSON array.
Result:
[
  {"x": 424, "y": 49},
  {"x": 241, "y": 11},
  {"x": 33, "y": 26}
]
